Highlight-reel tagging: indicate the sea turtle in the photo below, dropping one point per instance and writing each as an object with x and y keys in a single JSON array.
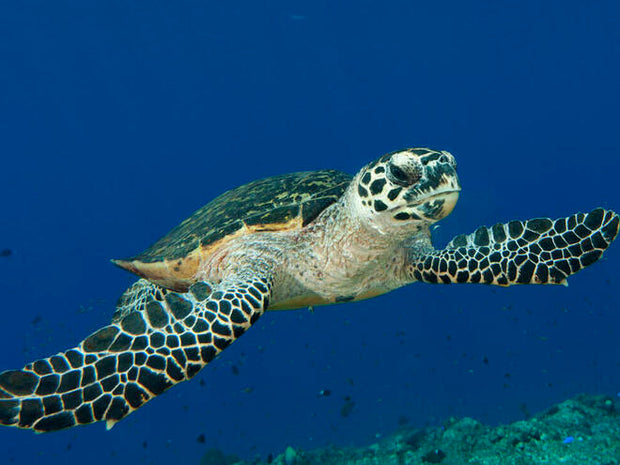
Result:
[{"x": 290, "y": 241}]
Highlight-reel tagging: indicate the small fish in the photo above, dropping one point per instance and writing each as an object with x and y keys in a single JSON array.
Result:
[
  {"x": 6, "y": 253},
  {"x": 324, "y": 393}
]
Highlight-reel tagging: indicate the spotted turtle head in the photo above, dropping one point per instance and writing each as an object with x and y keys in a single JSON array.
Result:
[{"x": 414, "y": 186}]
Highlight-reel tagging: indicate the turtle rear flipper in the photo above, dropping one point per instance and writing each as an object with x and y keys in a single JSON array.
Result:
[
  {"x": 537, "y": 251},
  {"x": 158, "y": 338}
]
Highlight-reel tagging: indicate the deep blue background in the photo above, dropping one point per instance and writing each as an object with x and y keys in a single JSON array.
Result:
[{"x": 118, "y": 119}]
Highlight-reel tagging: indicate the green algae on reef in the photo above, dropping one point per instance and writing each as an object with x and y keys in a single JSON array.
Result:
[{"x": 580, "y": 431}]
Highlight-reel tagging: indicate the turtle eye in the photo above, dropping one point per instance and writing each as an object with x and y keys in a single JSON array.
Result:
[{"x": 401, "y": 177}]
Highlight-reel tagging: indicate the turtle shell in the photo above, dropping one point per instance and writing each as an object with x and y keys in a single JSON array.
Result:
[{"x": 280, "y": 203}]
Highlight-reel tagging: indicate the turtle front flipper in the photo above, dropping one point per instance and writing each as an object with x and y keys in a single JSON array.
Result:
[
  {"x": 537, "y": 251},
  {"x": 157, "y": 338}
]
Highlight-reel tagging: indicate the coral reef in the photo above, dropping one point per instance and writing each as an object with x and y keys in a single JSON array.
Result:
[{"x": 580, "y": 431}]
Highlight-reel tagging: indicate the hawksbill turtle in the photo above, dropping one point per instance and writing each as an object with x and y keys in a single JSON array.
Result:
[{"x": 289, "y": 241}]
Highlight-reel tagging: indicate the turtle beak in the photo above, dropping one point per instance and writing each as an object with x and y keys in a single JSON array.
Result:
[
  {"x": 450, "y": 199},
  {"x": 444, "y": 186},
  {"x": 438, "y": 205}
]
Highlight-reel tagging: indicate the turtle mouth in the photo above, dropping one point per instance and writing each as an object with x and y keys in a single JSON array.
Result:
[
  {"x": 450, "y": 198},
  {"x": 450, "y": 195},
  {"x": 436, "y": 206}
]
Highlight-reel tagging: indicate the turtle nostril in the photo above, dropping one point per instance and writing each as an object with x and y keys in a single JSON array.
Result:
[{"x": 447, "y": 159}]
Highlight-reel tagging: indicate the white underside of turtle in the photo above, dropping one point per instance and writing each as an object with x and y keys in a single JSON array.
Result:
[{"x": 291, "y": 241}]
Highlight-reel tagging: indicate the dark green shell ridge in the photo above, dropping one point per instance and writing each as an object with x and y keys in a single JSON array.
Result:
[{"x": 269, "y": 201}]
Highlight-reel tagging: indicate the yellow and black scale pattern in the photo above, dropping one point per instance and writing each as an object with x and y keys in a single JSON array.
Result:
[
  {"x": 157, "y": 338},
  {"x": 266, "y": 202},
  {"x": 538, "y": 251}
]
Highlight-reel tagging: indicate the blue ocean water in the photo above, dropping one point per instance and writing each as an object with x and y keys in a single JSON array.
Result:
[{"x": 119, "y": 119}]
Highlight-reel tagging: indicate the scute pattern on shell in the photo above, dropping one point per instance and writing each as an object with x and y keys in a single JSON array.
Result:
[{"x": 271, "y": 201}]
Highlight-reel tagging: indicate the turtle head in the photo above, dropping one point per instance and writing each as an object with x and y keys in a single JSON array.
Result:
[{"x": 408, "y": 188}]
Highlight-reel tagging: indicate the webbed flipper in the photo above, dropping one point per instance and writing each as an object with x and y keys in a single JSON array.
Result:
[
  {"x": 537, "y": 251},
  {"x": 157, "y": 338}
]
